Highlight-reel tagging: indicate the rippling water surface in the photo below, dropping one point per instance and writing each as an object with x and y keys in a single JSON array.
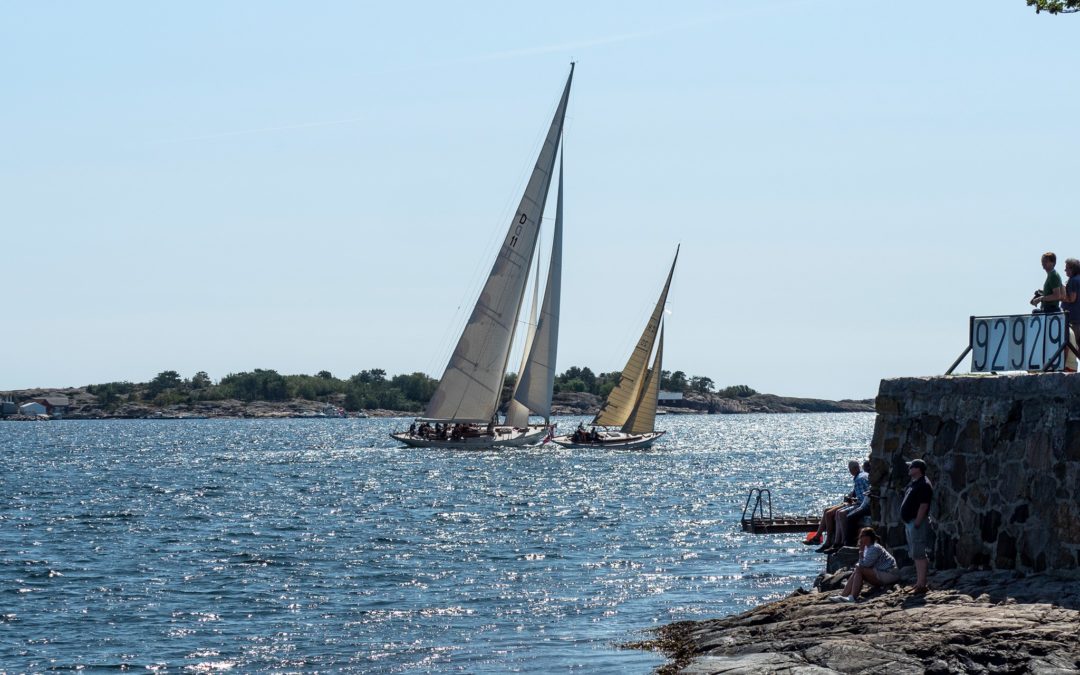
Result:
[{"x": 303, "y": 545}]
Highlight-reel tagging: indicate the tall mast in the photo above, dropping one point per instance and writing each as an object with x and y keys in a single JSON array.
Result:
[{"x": 470, "y": 386}]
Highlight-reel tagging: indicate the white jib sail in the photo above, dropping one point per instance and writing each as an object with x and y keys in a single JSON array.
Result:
[
  {"x": 622, "y": 399},
  {"x": 537, "y": 379},
  {"x": 517, "y": 415},
  {"x": 470, "y": 386}
]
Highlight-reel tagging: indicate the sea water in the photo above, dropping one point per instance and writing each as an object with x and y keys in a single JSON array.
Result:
[{"x": 320, "y": 545}]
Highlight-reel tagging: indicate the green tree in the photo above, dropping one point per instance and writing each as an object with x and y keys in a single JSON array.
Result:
[
  {"x": 170, "y": 397},
  {"x": 325, "y": 374},
  {"x": 111, "y": 394},
  {"x": 701, "y": 384},
  {"x": 417, "y": 387},
  {"x": 260, "y": 385},
  {"x": 369, "y": 376},
  {"x": 313, "y": 388},
  {"x": 1055, "y": 6},
  {"x": 574, "y": 385},
  {"x": 584, "y": 376},
  {"x": 201, "y": 380},
  {"x": 605, "y": 382},
  {"x": 674, "y": 381},
  {"x": 736, "y": 391},
  {"x": 166, "y": 379}
]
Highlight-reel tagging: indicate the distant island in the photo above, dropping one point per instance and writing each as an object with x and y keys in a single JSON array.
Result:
[{"x": 268, "y": 394}]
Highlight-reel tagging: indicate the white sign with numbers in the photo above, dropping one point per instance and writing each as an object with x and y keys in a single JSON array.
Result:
[{"x": 1018, "y": 342}]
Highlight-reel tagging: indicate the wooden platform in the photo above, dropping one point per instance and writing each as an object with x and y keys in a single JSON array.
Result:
[{"x": 802, "y": 524}]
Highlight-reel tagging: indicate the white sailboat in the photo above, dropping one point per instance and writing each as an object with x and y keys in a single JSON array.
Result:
[
  {"x": 631, "y": 405},
  {"x": 463, "y": 411}
]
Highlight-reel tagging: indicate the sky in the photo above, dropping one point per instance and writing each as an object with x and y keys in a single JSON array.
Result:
[{"x": 220, "y": 187}]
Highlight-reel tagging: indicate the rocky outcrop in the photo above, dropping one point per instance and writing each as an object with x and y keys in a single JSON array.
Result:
[
  {"x": 975, "y": 622},
  {"x": 1004, "y": 456},
  {"x": 86, "y": 406},
  {"x": 575, "y": 403}
]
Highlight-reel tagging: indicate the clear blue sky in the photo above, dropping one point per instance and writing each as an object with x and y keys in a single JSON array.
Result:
[{"x": 308, "y": 186}]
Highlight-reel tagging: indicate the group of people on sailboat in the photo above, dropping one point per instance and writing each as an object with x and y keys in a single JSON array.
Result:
[
  {"x": 447, "y": 432},
  {"x": 582, "y": 436}
]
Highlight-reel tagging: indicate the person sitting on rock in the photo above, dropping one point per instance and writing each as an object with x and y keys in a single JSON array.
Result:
[
  {"x": 857, "y": 509},
  {"x": 876, "y": 567},
  {"x": 828, "y": 518}
]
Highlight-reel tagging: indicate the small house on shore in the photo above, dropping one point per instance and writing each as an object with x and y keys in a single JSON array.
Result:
[
  {"x": 55, "y": 406},
  {"x": 32, "y": 409}
]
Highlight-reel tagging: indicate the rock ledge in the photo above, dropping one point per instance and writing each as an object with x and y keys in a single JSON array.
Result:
[{"x": 973, "y": 622}]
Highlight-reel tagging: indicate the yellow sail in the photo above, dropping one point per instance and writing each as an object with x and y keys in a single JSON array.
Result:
[
  {"x": 624, "y": 397},
  {"x": 643, "y": 418}
]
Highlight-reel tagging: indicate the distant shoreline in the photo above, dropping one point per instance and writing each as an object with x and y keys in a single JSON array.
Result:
[{"x": 83, "y": 406}]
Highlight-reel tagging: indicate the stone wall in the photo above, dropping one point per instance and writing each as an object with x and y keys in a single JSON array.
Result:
[{"x": 1004, "y": 457}]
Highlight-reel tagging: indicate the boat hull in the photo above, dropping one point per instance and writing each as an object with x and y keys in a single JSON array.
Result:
[
  {"x": 612, "y": 439},
  {"x": 503, "y": 437}
]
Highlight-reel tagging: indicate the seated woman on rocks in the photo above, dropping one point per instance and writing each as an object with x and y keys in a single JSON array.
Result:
[{"x": 876, "y": 567}]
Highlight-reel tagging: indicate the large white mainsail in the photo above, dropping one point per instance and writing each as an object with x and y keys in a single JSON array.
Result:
[
  {"x": 643, "y": 418},
  {"x": 472, "y": 382},
  {"x": 537, "y": 380},
  {"x": 624, "y": 397}
]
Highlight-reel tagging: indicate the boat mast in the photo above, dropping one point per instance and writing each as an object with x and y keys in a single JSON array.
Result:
[
  {"x": 541, "y": 201},
  {"x": 471, "y": 385},
  {"x": 622, "y": 399}
]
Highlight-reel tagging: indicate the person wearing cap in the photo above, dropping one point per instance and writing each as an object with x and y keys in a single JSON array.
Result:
[
  {"x": 915, "y": 512},
  {"x": 876, "y": 567}
]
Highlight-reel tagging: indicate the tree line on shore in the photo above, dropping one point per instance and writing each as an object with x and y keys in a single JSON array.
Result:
[{"x": 368, "y": 389}]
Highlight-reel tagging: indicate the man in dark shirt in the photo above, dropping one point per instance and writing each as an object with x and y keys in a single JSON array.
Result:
[
  {"x": 1071, "y": 306},
  {"x": 915, "y": 512}
]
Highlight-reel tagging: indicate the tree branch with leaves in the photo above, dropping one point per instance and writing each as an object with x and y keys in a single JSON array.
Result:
[{"x": 1055, "y": 6}]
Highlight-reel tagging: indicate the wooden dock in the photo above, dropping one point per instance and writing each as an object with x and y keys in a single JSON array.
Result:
[
  {"x": 804, "y": 524},
  {"x": 759, "y": 519}
]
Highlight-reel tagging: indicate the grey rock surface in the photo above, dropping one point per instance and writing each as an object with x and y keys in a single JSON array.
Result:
[{"x": 973, "y": 622}]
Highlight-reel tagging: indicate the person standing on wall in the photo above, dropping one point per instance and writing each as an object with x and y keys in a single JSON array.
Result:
[
  {"x": 1052, "y": 292},
  {"x": 915, "y": 512},
  {"x": 1071, "y": 305}
]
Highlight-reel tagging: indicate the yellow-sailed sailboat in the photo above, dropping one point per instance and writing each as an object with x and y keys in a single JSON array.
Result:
[{"x": 631, "y": 405}]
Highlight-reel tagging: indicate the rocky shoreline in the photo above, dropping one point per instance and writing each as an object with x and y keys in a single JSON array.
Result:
[
  {"x": 970, "y": 621},
  {"x": 710, "y": 404},
  {"x": 84, "y": 405}
]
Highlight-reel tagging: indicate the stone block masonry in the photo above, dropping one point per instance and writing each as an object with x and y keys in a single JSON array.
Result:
[{"x": 1003, "y": 453}]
